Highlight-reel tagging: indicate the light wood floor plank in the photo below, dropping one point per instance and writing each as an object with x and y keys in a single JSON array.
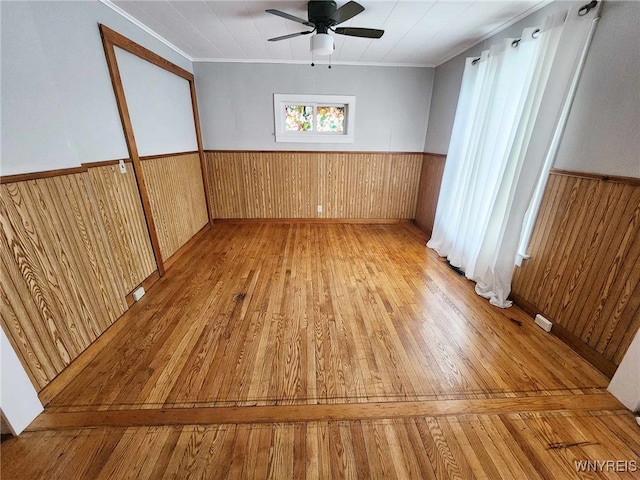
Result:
[
  {"x": 307, "y": 413},
  {"x": 263, "y": 314},
  {"x": 532, "y": 445},
  {"x": 320, "y": 351}
]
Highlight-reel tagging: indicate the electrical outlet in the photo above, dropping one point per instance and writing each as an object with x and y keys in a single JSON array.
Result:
[
  {"x": 123, "y": 167},
  {"x": 543, "y": 323},
  {"x": 319, "y": 208},
  {"x": 138, "y": 294}
]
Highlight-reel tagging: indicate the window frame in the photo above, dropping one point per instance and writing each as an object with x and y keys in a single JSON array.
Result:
[{"x": 283, "y": 135}]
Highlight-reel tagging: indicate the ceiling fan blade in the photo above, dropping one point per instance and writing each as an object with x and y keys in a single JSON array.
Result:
[
  {"x": 345, "y": 12},
  {"x": 291, "y": 35},
  {"x": 359, "y": 32},
  {"x": 290, "y": 17}
]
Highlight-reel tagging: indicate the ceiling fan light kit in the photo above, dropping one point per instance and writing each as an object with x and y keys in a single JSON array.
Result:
[
  {"x": 322, "y": 44},
  {"x": 323, "y": 16}
]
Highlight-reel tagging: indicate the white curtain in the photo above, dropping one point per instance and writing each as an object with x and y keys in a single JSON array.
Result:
[{"x": 509, "y": 112}]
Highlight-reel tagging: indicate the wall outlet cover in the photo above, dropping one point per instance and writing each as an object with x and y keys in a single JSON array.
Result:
[
  {"x": 543, "y": 323},
  {"x": 138, "y": 294}
]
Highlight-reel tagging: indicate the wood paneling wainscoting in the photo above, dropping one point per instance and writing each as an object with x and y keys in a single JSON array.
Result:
[
  {"x": 428, "y": 191},
  {"x": 76, "y": 244},
  {"x": 118, "y": 202},
  {"x": 584, "y": 270},
  {"x": 253, "y": 184},
  {"x": 60, "y": 288},
  {"x": 177, "y": 196}
]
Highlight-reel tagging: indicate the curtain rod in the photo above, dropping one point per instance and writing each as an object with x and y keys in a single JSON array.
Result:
[
  {"x": 515, "y": 43},
  {"x": 582, "y": 12}
]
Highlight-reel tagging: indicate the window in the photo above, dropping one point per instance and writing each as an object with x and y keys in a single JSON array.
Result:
[{"x": 314, "y": 118}]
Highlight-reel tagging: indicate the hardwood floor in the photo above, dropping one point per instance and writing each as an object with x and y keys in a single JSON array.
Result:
[
  {"x": 516, "y": 446},
  {"x": 296, "y": 350}
]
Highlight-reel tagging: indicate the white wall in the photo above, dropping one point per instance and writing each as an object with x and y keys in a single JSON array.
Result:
[
  {"x": 625, "y": 384},
  {"x": 448, "y": 77},
  {"x": 601, "y": 135},
  {"x": 58, "y": 106},
  {"x": 236, "y": 104},
  {"x": 19, "y": 401},
  {"x": 159, "y": 104}
]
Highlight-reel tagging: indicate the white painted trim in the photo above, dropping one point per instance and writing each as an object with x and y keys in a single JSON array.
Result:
[
  {"x": 151, "y": 32},
  {"x": 281, "y": 135},
  {"x": 308, "y": 62},
  {"x": 141, "y": 25},
  {"x": 19, "y": 401},
  {"x": 155, "y": 35},
  {"x": 496, "y": 30}
]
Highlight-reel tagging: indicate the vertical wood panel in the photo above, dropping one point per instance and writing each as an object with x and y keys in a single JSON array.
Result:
[
  {"x": 31, "y": 351},
  {"x": 428, "y": 191},
  {"x": 584, "y": 269},
  {"x": 293, "y": 184},
  {"x": 177, "y": 197},
  {"x": 59, "y": 287},
  {"x": 118, "y": 202}
]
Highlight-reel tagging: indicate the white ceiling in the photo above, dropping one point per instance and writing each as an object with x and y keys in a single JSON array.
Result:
[{"x": 420, "y": 33}]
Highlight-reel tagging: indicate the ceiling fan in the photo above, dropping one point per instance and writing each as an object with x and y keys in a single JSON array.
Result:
[{"x": 323, "y": 16}]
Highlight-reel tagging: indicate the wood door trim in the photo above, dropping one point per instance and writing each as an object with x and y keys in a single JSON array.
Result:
[
  {"x": 120, "y": 41},
  {"x": 203, "y": 162},
  {"x": 110, "y": 40}
]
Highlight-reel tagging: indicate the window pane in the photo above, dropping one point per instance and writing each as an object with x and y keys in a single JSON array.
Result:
[
  {"x": 330, "y": 119},
  {"x": 299, "y": 118}
]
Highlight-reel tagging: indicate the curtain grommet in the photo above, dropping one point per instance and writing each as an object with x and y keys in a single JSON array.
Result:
[{"x": 587, "y": 8}]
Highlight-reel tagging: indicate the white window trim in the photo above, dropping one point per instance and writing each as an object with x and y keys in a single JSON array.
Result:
[{"x": 282, "y": 135}]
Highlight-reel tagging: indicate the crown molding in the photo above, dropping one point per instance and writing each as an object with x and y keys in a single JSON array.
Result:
[
  {"x": 308, "y": 62},
  {"x": 495, "y": 31},
  {"x": 142, "y": 26},
  {"x": 158, "y": 37}
]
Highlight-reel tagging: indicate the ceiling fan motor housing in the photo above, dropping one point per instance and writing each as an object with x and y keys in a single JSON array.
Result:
[
  {"x": 320, "y": 13},
  {"x": 323, "y": 16}
]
